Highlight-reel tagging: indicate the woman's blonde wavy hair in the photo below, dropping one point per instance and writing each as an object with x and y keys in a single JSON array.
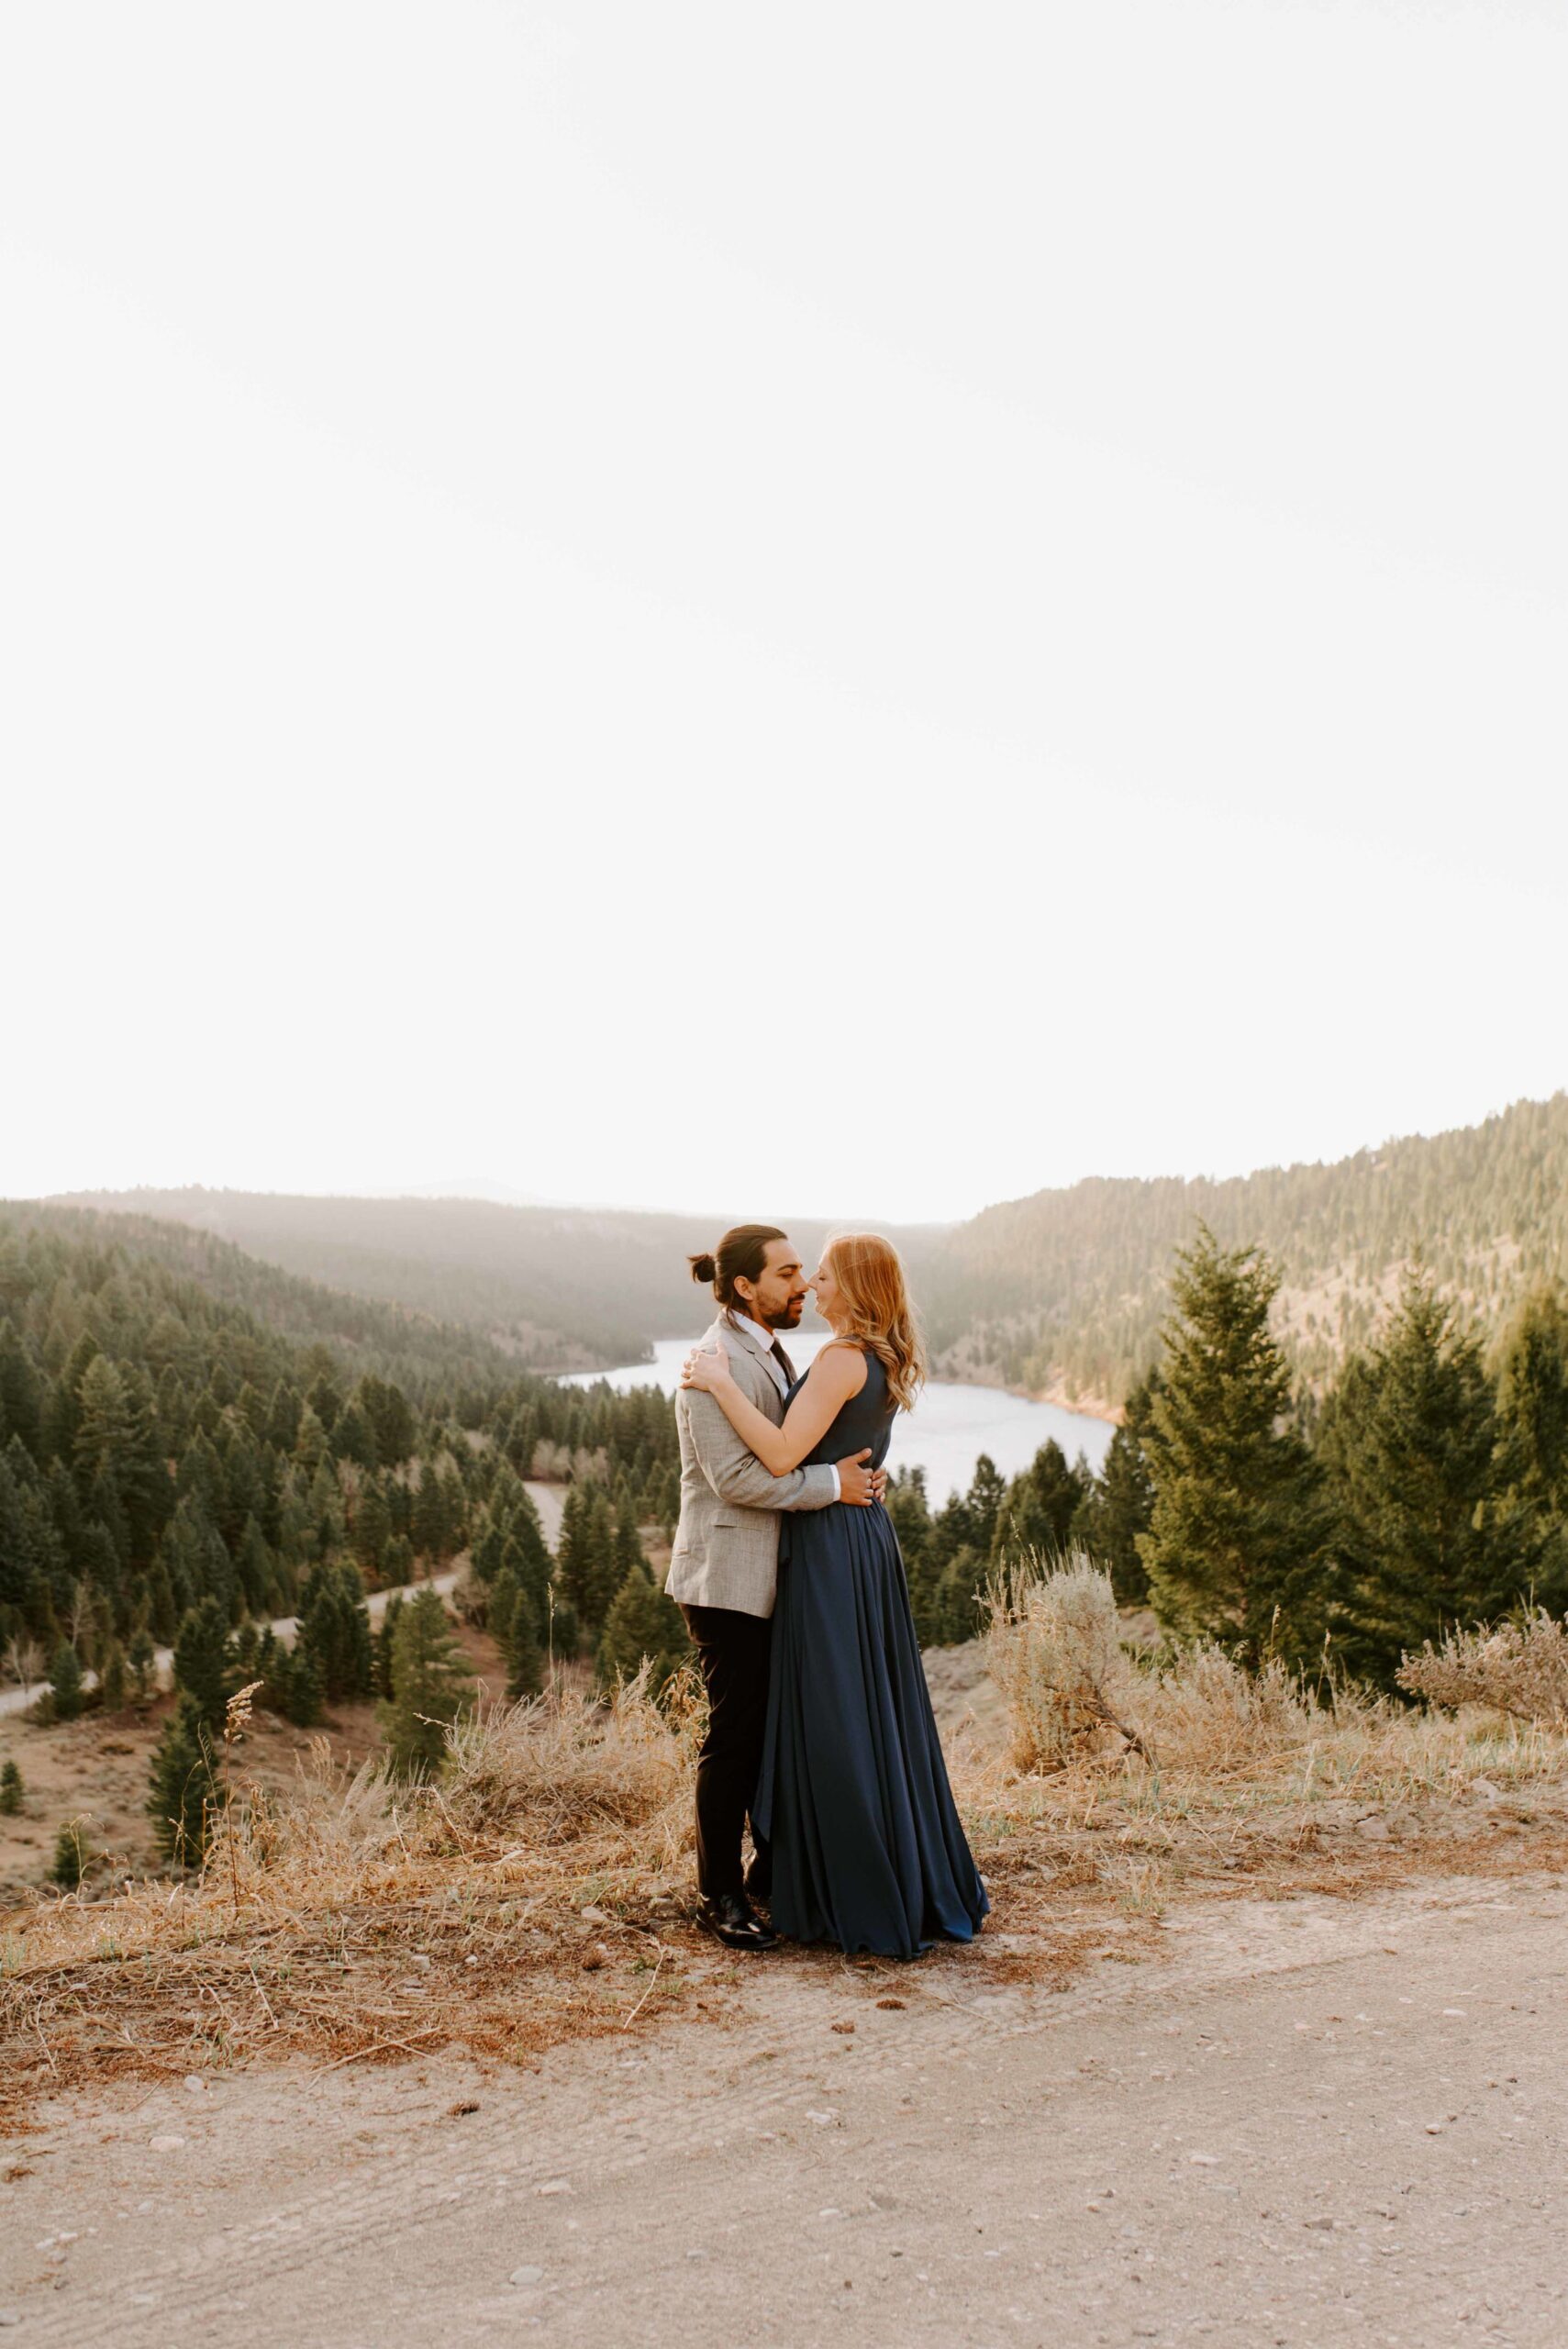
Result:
[{"x": 869, "y": 1272}]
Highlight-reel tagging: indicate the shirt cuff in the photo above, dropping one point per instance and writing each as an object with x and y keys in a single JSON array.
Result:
[{"x": 838, "y": 1488}]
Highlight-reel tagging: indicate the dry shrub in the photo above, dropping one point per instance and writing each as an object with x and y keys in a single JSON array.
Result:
[
  {"x": 1211, "y": 1716},
  {"x": 1054, "y": 1650},
  {"x": 1519, "y": 1668},
  {"x": 1074, "y": 1694}
]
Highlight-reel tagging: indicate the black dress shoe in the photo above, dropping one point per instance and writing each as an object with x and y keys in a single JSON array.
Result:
[{"x": 731, "y": 1919}]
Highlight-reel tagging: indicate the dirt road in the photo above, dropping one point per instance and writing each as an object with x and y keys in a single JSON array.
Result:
[{"x": 1308, "y": 2121}]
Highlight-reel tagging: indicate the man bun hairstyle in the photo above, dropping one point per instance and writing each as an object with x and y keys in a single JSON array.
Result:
[{"x": 740, "y": 1255}]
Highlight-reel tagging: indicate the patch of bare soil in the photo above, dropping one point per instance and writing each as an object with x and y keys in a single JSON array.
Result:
[{"x": 95, "y": 1770}]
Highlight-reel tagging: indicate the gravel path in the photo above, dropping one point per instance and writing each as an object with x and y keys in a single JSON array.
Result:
[{"x": 1303, "y": 2122}]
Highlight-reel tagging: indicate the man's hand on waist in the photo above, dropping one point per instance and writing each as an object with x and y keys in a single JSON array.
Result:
[{"x": 858, "y": 1486}]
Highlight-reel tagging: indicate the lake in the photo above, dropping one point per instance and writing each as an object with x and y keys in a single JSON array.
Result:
[{"x": 945, "y": 1434}]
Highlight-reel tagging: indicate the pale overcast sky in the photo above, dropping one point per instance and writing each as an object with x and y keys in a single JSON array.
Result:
[{"x": 856, "y": 609}]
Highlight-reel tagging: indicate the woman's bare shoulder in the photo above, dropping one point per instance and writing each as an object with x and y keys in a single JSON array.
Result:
[{"x": 842, "y": 1362}]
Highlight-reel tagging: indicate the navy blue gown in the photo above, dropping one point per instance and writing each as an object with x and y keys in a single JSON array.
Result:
[{"x": 853, "y": 1799}]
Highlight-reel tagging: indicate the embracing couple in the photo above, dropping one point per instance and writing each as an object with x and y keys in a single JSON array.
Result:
[{"x": 786, "y": 1568}]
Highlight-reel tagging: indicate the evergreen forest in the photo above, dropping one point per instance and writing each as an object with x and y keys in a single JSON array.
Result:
[{"x": 192, "y": 1443}]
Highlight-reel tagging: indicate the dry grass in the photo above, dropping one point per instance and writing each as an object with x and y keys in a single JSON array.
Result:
[
  {"x": 522, "y": 1899},
  {"x": 1152, "y": 1779},
  {"x": 543, "y": 1889}
]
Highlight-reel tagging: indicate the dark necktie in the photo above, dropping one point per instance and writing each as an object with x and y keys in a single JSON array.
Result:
[{"x": 784, "y": 1362}]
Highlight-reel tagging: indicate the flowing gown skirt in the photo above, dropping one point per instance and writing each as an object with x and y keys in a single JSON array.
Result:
[{"x": 866, "y": 1845}]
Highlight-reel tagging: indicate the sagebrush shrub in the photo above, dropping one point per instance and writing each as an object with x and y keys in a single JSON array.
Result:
[{"x": 1054, "y": 1650}]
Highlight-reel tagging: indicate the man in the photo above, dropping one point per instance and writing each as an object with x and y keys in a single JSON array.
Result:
[{"x": 724, "y": 1573}]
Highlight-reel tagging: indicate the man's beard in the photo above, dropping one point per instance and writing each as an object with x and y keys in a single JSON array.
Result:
[{"x": 788, "y": 1316}]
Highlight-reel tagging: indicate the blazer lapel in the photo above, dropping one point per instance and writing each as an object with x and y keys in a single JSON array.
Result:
[{"x": 759, "y": 1354}]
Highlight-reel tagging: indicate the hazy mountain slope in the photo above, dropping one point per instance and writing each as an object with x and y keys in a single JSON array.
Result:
[
  {"x": 418, "y": 1351},
  {"x": 1065, "y": 1289},
  {"x": 1068, "y": 1287},
  {"x": 559, "y": 1289}
]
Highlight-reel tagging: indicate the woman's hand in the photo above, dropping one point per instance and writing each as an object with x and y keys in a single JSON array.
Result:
[{"x": 707, "y": 1370}]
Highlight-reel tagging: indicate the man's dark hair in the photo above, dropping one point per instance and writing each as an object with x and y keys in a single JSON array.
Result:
[{"x": 740, "y": 1255}]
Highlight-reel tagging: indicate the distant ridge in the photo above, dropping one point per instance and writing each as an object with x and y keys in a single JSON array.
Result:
[
  {"x": 556, "y": 1288},
  {"x": 1061, "y": 1293}
]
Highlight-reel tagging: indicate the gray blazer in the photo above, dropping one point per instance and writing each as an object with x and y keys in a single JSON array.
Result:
[{"x": 727, "y": 1545}]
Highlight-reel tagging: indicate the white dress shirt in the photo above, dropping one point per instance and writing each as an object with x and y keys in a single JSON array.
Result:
[{"x": 767, "y": 1340}]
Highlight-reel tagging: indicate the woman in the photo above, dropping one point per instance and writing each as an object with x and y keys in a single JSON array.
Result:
[{"x": 854, "y": 1801}]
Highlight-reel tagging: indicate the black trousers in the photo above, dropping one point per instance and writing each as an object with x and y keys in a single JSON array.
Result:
[{"x": 733, "y": 1652}]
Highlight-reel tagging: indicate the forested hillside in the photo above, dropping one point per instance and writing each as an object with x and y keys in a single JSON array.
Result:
[
  {"x": 1069, "y": 1288},
  {"x": 1063, "y": 1290},
  {"x": 557, "y": 1289},
  {"x": 180, "y": 1425}
]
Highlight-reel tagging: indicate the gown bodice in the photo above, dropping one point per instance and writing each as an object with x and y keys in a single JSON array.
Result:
[{"x": 864, "y": 1423}]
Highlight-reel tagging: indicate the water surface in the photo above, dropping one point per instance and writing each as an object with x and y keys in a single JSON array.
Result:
[{"x": 945, "y": 1434}]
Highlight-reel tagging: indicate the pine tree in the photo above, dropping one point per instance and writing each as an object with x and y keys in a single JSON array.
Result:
[
  {"x": 1427, "y": 1534},
  {"x": 282, "y": 1417},
  {"x": 1532, "y": 1411},
  {"x": 385, "y": 1634},
  {"x": 294, "y": 1684},
  {"x": 501, "y": 1606},
  {"x": 641, "y": 1622},
  {"x": 428, "y": 1674},
  {"x": 65, "y": 1679},
  {"x": 585, "y": 1568},
  {"x": 386, "y": 1407},
  {"x": 254, "y": 1566},
  {"x": 164, "y": 1614},
  {"x": 324, "y": 1398},
  {"x": 203, "y": 1662},
  {"x": 73, "y": 1854},
  {"x": 353, "y": 1439},
  {"x": 525, "y": 1553},
  {"x": 431, "y": 1527},
  {"x": 1038, "y": 1508},
  {"x": 11, "y": 1789},
  {"x": 103, "y": 1422},
  {"x": 627, "y": 1552},
  {"x": 186, "y": 1786},
  {"x": 310, "y": 1446},
  {"x": 982, "y": 1503},
  {"x": 960, "y": 1608},
  {"x": 1236, "y": 1535},
  {"x": 142, "y": 1658},
  {"x": 334, "y": 1629},
  {"x": 1119, "y": 1502},
  {"x": 525, "y": 1656},
  {"x": 112, "y": 1677},
  {"x": 21, "y": 1395},
  {"x": 372, "y": 1530}
]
